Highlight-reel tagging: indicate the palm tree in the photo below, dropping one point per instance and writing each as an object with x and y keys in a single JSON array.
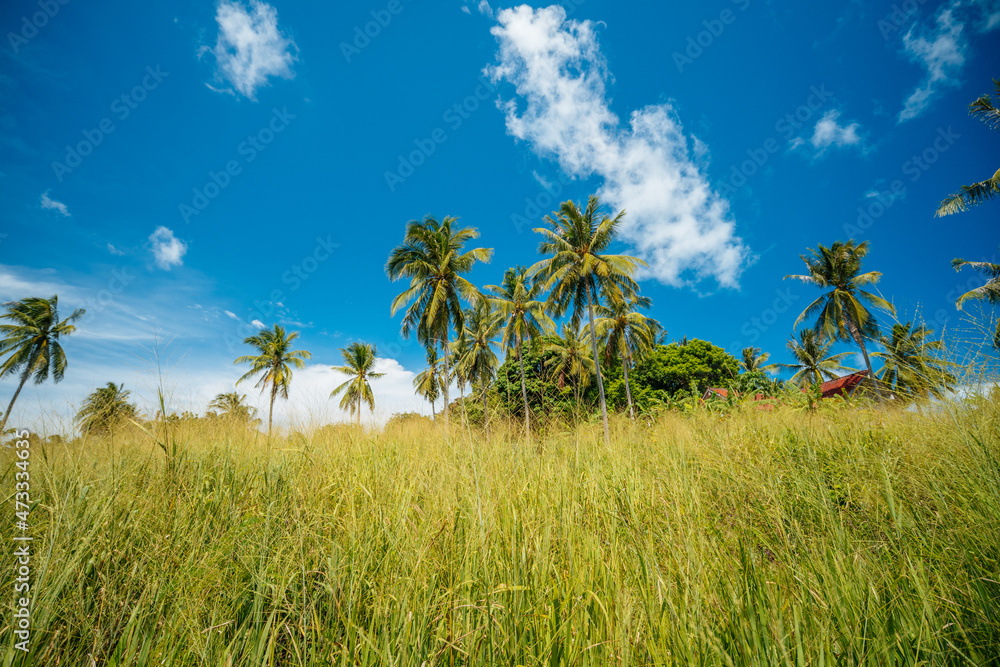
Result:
[
  {"x": 571, "y": 361},
  {"x": 428, "y": 383},
  {"x": 841, "y": 313},
  {"x": 359, "y": 362},
  {"x": 432, "y": 257},
  {"x": 478, "y": 361},
  {"x": 754, "y": 360},
  {"x": 983, "y": 191},
  {"x": 913, "y": 364},
  {"x": 627, "y": 334},
  {"x": 32, "y": 342},
  {"x": 518, "y": 307},
  {"x": 231, "y": 406},
  {"x": 105, "y": 409},
  {"x": 274, "y": 361},
  {"x": 814, "y": 364},
  {"x": 990, "y": 292},
  {"x": 579, "y": 273}
]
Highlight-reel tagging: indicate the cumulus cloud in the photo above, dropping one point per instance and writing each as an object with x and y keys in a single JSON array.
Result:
[
  {"x": 168, "y": 250},
  {"x": 52, "y": 204},
  {"x": 828, "y": 132},
  {"x": 675, "y": 221},
  {"x": 250, "y": 47},
  {"x": 258, "y": 324}
]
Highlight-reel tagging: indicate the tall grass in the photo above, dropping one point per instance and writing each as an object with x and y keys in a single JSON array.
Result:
[{"x": 846, "y": 537}]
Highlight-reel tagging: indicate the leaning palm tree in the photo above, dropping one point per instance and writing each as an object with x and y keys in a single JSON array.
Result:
[
  {"x": 571, "y": 360},
  {"x": 359, "y": 363},
  {"x": 232, "y": 406},
  {"x": 627, "y": 334},
  {"x": 105, "y": 409},
  {"x": 428, "y": 383},
  {"x": 983, "y": 191},
  {"x": 273, "y": 362},
  {"x": 914, "y": 366},
  {"x": 841, "y": 313},
  {"x": 990, "y": 292},
  {"x": 432, "y": 256},
  {"x": 580, "y": 274},
  {"x": 813, "y": 361},
  {"x": 478, "y": 361},
  {"x": 523, "y": 315},
  {"x": 32, "y": 341},
  {"x": 753, "y": 360}
]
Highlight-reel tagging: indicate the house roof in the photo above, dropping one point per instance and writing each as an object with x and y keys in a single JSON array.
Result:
[{"x": 843, "y": 386}]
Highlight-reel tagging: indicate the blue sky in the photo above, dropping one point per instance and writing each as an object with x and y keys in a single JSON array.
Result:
[{"x": 191, "y": 171}]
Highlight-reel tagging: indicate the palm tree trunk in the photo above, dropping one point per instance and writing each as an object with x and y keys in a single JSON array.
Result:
[
  {"x": 524, "y": 393},
  {"x": 864, "y": 353},
  {"x": 447, "y": 381},
  {"x": 597, "y": 368},
  {"x": 628, "y": 390},
  {"x": 270, "y": 411},
  {"x": 24, "y": 378}
]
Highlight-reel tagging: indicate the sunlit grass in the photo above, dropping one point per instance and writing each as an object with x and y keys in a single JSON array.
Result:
[{"x": 837, "y": 537}]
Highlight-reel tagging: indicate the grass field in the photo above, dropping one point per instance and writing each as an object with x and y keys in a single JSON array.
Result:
[{"x": 857, "y": 537}]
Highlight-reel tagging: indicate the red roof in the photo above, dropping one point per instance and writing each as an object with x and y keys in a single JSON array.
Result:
[{"x": 843, "y": 385}]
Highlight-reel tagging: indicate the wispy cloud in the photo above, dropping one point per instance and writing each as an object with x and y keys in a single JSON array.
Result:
[
  {"x": 251, "y": 47},
  {"x": 52, "y": 204},
  {"x": 675, "y": 220},
  {"x": 115, "y": 251},
  {"x": 828, "y": 132},
  {"x": 168, "y": 250},
  {"x": 941, "y": 51}
]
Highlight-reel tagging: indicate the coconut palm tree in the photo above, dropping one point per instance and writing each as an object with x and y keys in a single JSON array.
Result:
[
  {"x": 753, "y": 360},
  {"x": 105, "y": 409},
  {"x": 814, "y": 363},
  {"x": 359, "y": 363},
  {"x": 232, "y": 406},
  {"x": 571, "y": 361},
  {"x": 523, "y": 315},
  {"x": 973, "y": 195},
  {"x": 433, "y": 257},
  {"x": 32, "y": 341},
  {"x": 478, "y": 361},
  {"x": 626, "y": 334},
  {"x": 913, "y": 364},
  {"x": 579, "y": 273},
  {"x": 841, "y": 313},
  {"x": 273, "y": 362},
  {"x": 428, "y": 383},
  {"x": 990, "y": 292}
]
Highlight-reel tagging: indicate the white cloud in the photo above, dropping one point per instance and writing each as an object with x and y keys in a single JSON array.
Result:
[
  {"x": 675, "y": 220},
  {"x": 941, "y": 51},
  {"x": 828, "y": 132},
  {"x": 168, "y": 250},
  {"x": 250, "y": 47},
  {"x": 115, "y": 251},
  {"x": 231, "y": 315},
  {"x": 258, "y": 324},
  {"x": 485, "y": 9},
  {"x": 54, "y": 205}
]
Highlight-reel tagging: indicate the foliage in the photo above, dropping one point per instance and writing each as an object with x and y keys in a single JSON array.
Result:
[
  {"x": 983, "y": 191},
  {"x": 31, "y": 339},
  {"x": 813, "y": 361},
  {"x": 105, "y": 410},
  {"x": 273, "y": 363},
  {"x": 359, "y": 363},
  {"x": 232, "y": 406},
  {"x": 990, "y": 292},
  {"x": 676, "y": 370},
  {"x": 914, "y": 366}
]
